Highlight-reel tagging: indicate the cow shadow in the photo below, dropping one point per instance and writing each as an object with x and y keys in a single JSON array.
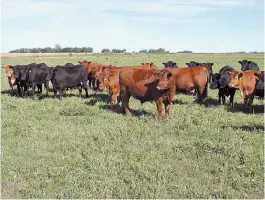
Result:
[
  {"x": 9, "y": 92},
  {"x": 98, "y": 97},
  {"x": 177, "y": 101},
  {"x": 259, "y": 128},
  {"x": 210, "y": 102},
  {"x": 117, "y": 109},
  {"x": 258, "y": 109}
]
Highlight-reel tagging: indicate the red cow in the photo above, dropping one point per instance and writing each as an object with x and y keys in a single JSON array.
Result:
[
  {"x": 108, "y": 77},
  {"x": 92, "y": 68},
  {"x": 246, "y": 81},
  {"x": 186, "y": 78},
  {"x": 10, "y": 75},
  {"x": 142, "y": 84}
]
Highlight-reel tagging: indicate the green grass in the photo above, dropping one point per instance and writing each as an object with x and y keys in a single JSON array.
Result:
[{"x": 85, "y": 148}]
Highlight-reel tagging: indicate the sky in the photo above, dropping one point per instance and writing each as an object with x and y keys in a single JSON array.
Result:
[{"x": 175, "y": 25}]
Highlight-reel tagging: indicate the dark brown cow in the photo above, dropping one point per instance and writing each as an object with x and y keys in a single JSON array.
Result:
[
  {"x": 246, "y": 81},
  {"x": 187, "y": 79},
  {"x": 142, "y": 84}
]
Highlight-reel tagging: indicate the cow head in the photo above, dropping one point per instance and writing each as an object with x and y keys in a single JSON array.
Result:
[
  {"x": 244, "y": 64},
  {"x": 149, "y": 65},
  {"x": 104, "y": 79},
  {"x": 9, "y": 70},
  {"x": 164, "y": 79},
  {"x": 170, "y": 64},
  {"x": 193, "y": 64},
  {"x": 50, "y": 72},
  {"x": 234, "y": 78}
]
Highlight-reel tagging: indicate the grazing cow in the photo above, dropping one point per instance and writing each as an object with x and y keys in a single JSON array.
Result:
[
  {"x": 142, "y": 83},
  {"x": 63, "y": 77},
  {"x": 248, "y": 65},
  {"x": 170, "y": 64},
  {"x": 247, "y": 82},
  {"x": 187, "y": 79},
  {"x": 221, "y": 80},
  {"x": 35, "y": 75}
]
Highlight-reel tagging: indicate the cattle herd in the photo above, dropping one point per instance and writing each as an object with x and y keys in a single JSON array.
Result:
[{"x": 145, "y": 82}]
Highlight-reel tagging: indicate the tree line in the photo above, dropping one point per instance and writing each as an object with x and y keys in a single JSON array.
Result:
[{"x": 59, "y": 49}]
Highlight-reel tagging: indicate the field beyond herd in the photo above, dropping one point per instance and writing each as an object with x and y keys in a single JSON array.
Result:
[{"x": 86, "y": 148}]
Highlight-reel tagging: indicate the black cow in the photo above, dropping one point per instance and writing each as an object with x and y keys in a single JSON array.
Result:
[
  {"x": 35, "y": 75},
  {"x": 259, "y": 90},
  {"x": 193, "y": 64},
  {"x": 170, "y": 64},
  {"x": 221, "y": 80},
  {"x": 63, "y": 77},
  {"x": 69, "y": 65},
  {"x": 248, "y": 65}
]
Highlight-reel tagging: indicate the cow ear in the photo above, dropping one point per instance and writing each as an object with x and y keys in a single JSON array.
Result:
[
  {"x": 249, "y": 62},
  {"x": 151, "y": 64},
  {"x": 240, "y": 75},
  {"x": 211, "y": 64},
  {"x": 240, "y": 62},
  {"x": 79, "y": 62},
  {"x": 142, "y": 63},
  {"x": 198, "y": 64},
  {"x": 3, "y": 67},
  {"x": 164, "y": 63}
]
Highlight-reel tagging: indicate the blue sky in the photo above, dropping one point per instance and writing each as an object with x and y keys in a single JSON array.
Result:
[{"x": 197, "y": 25}]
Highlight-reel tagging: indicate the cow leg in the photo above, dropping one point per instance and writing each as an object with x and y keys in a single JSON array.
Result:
[
  {"x": 250, "y": 103},
  {"x": 125, "y": 97},
  {"x": 232, "y": 94},
  {"x": 201, "y": 93},
  {"x": 223, "y": 99},
  {"x": 167, "y": 108},
  {"x": 60, "y": 94},
  {"x": 46, "y": 85},
  {"x": 219, "y": 95},
  {"x": 159, "y": 106},
  {"x": 18, "y": 90},
  {"x": 114, "y": 98},
  {"x": 33, "y": 91},
  {"x": 80, "y": 90},
  {"x": 85, "y": 88}
]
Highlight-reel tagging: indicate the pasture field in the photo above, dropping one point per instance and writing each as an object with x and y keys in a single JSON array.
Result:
[{"x": 86, "y": 148}]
